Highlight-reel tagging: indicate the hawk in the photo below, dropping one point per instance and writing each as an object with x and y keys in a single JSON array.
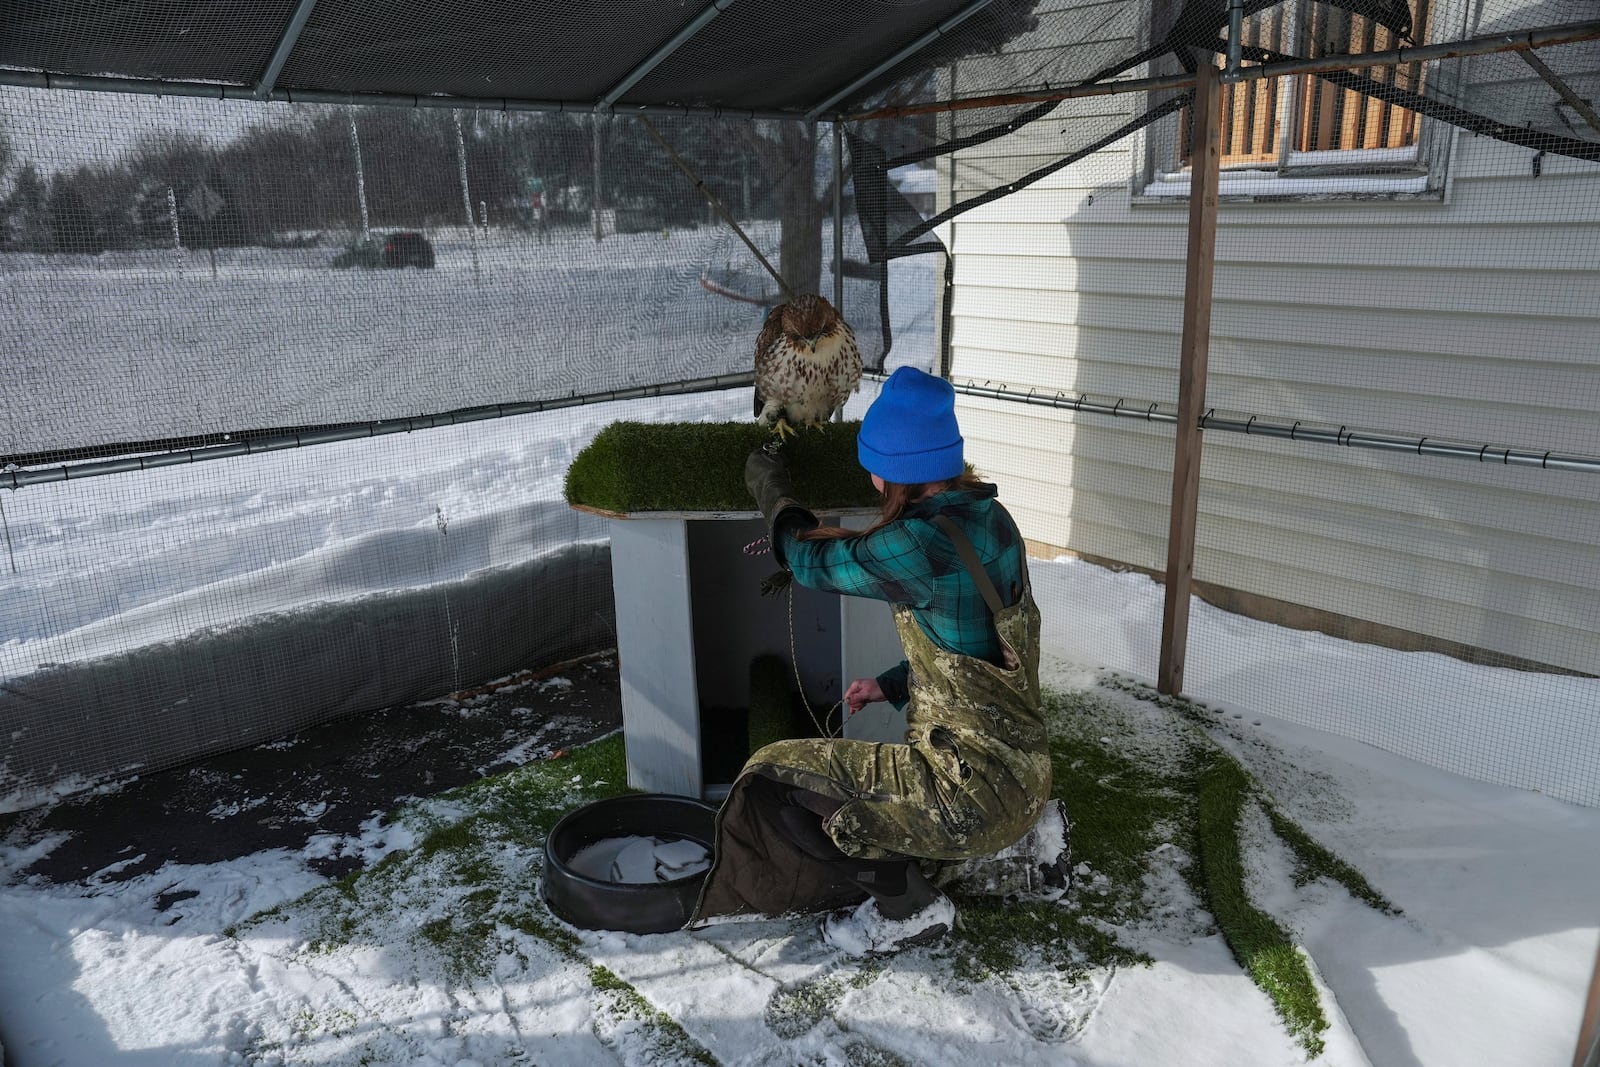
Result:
[{"x": 807, "y": 363}]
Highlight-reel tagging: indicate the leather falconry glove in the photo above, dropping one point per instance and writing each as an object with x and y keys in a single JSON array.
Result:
[{"x": 767, "y": 478}]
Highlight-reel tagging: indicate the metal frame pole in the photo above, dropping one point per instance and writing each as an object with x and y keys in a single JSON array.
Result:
[
  {"x": 838, "y": 216},
  {"x": 1235, "y": 37},
  {"x": 250, "y": 444},
  {"x": 660, "y": 55},
  {"x": 899, "y": 57},
  {"x": 1570, "y": 33},
  {"x": 280, "y": 54},
  {"x": 1588, "y": 1053}
]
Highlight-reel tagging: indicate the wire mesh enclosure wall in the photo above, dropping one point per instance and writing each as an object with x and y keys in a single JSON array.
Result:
[
  {"x": 180, "y": 268},
  {"x": 155, "y": 617},
  {"x": 1400, "y": 309},
  {"x": 184, "y": 278}
]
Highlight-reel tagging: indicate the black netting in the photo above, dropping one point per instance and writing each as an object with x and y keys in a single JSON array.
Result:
[
  {"x": 788, "y": 58},
  {"x": 1018, "y": 50},
  {"x": 347, "y": 265},
  {"x": 486, "y": 49},
  {"x": 222, "y": 42}
]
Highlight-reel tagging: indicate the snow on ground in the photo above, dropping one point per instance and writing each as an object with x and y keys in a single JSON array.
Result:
[
  {"x": 323, "y": 555},
  {"x": 1487, "y": 966}
]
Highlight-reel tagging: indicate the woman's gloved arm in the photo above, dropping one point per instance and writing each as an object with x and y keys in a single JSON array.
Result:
[{"x": 767, "y": 477}]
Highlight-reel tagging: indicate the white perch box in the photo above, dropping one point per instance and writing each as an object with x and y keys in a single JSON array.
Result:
[{"x": 691, "y": 619}]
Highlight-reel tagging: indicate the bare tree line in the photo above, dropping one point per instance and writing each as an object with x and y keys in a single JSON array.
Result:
[{"x": 307, "y": 174}]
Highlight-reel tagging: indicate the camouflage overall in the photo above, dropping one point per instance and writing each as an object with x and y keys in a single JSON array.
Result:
[{"x": 971, "y": 778}]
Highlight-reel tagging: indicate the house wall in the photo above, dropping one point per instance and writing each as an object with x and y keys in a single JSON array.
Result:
[{"x": 1471, "y": 315}]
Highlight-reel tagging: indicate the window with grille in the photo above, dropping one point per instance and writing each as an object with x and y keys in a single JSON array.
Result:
[
  {"x": 1305, "y": 125},
  {"x": 1264, "y": 121}
]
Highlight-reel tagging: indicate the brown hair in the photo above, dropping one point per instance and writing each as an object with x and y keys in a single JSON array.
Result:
[{"x": 896, "y": 497}]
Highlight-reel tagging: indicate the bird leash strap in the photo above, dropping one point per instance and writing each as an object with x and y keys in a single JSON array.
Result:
[{"x": 770, "y": 586}]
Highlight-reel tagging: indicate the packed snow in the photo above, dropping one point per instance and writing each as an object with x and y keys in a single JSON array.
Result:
[{"x": 1488, "y": 966}]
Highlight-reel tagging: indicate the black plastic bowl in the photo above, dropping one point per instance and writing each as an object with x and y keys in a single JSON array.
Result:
[{"x": 638, "y": 908}]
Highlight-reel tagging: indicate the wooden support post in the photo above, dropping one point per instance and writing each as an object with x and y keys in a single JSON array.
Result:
[
  {"x": 1588, "y": 1054},
  {"x": 1205, "y": 156}
]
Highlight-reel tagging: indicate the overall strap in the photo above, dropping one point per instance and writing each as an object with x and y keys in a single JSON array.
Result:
[{"x": 969, "y": 558}]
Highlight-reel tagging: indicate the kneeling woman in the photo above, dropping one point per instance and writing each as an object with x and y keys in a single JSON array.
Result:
[{"x": 815, "y": 824}]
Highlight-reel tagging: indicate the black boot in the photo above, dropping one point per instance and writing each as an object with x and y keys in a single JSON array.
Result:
[
  {"x": 897, "y": 892},
  {"x": 919, "y": 916},
  {"x": 915, "y": 895},
  {"x": 897, "y": 885}
]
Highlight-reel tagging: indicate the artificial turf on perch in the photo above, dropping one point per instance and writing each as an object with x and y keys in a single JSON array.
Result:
[{"x": 633, "y": 467}]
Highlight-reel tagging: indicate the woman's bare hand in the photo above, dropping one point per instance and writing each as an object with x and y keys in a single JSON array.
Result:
[{"x": 863, "y": 691}]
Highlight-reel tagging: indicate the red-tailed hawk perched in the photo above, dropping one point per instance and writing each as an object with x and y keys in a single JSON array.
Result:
[{"x": 807, "y": 363}]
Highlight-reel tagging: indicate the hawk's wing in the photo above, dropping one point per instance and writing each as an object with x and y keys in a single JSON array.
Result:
[
  {"x": 846, "y": 376},
  {"x": 766, "y": 342}
]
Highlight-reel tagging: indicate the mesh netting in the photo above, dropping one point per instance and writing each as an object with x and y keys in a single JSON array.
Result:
[
  {"x": 184, "y": 268},
  {"x": 1021, "y": 55},
  {"x": 186, "y": 276},
  {"x": 1405, "y": 265},
  {"x": 1417, "y": 291}
]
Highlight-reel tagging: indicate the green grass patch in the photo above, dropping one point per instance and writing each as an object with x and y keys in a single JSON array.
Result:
[
  {"x": 1220, "y": 787},
  {"x": 620, "y": 1003},
  {"x": 1127, "y": 792},
  {"x": 1118, "y": 806},
  {"x": 691, "y": 466},
  {"x": 1135, "y": 781},
  {"x": 1263, "y": 948},
  {"x": 465, "y": 893},
  {"x": 793, "y": 1010},
  {"x": 538, "y": 926},
  {"x": 1313, "y": 861}
]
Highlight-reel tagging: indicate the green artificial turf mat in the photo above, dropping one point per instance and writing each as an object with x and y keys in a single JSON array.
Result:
[{"x": 699, "y": 466}]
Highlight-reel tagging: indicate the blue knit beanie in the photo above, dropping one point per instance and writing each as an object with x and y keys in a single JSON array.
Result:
[{"x": 909, "y": 434}]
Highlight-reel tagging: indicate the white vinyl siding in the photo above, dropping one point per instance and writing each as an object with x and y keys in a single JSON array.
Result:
[{"x": 1475, "y": 317}]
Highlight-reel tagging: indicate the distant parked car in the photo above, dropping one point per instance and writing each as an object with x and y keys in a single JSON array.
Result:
[
  {"x": 407, "y": 250},
  {"x": 404, "y": 249}
]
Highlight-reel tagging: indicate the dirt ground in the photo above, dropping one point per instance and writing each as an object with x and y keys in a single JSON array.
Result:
[{"x": 329, "y": 779}]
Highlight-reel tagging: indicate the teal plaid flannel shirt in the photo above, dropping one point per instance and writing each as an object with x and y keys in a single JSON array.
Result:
[{"x": 911, "y": 561}]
